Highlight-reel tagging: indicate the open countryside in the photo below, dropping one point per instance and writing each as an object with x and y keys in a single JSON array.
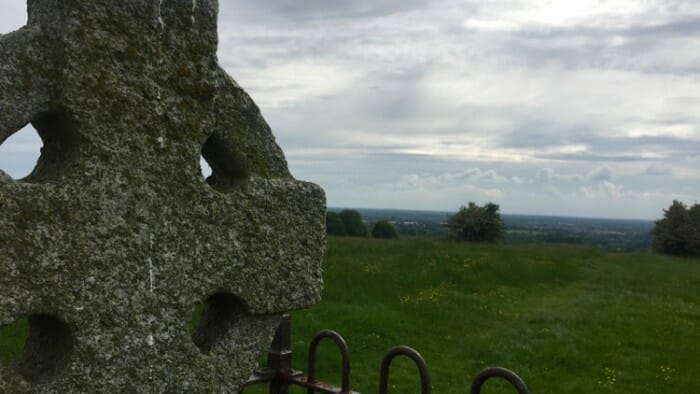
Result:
[
  {"x": 620, "y": 235},
  {"x": 567, "y": 318}
]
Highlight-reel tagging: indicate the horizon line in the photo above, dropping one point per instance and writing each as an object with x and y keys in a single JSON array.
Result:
[{"x": 503, "y": 213}]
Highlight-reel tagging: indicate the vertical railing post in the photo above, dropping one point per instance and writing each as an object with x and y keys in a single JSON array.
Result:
[{"x": 279, "y": 357}]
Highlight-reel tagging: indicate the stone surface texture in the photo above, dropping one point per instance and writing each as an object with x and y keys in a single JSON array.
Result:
[{"x": 110, "y": 242}]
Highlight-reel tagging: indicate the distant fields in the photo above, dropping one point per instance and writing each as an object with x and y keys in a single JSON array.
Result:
[
  {"x": 619, "y": 235},
  {"x": 568, "y": 319}
]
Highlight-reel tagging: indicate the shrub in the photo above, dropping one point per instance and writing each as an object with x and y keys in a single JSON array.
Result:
[
  {"x": 352, "y": 220},
  {"x": 384, "y": 229},
  {"x": 334, "y": 225},
  {"x": 477, "y": 224},
  {"x": 678, "y": 232}
]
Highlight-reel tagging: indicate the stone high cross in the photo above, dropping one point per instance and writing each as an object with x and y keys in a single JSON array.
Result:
[{"x": 114, "y": 237}]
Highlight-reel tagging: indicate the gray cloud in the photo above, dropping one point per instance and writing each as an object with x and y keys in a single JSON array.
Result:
[
  {"x": 12, "y": 16},
  {"x": 601, "y": 174},
  {"x": 658, "y": 170},
  {"x": 302, "y": 10},
  {"x": 593, "y": 157},
  {"x": 595, "y": 112},
  {"x": 549, "y": 175}
]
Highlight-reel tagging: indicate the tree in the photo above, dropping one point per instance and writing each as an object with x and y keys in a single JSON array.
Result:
[
  {"x": 477, "y": 224},
  {"x": 678, "y": 232},
  {"x": 384, "y": 229},
  {"x": 334, "y": 225},
  {"x": 352, "y": 220}
]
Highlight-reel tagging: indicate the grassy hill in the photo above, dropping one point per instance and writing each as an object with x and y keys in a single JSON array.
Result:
[
  {"x": 568, "y": 319},
  {"x": 565, "y": 318}
]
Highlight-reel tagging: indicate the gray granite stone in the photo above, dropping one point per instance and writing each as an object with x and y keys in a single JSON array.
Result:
[{"x": 115, "y": 236}]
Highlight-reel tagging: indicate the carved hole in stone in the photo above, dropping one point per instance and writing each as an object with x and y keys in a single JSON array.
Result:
[
  {"x": 60, "y": 145},
  {"x": 196, "y": 317},
  {"x": 204, "y": 166},
  {"x": 48, "y": 348},
  {"x": 20, "y": 152},
  {"x": 218, "y": 316},
  {"x": 227, "y": 167},
  {"x": 12, "y": 338}
]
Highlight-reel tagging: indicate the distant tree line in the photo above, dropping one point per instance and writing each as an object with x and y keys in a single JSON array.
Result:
[
  {"x": 471, "y": 223},
  {"x": 348, "y": 222},
  {"x": 678, "y": 232}
]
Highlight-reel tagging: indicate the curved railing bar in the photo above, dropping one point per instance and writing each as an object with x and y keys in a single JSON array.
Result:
[
  {"x": 497, "y": 372},
  {"x": 417, "y": 359},
  {"x": 344, "y": 353}
]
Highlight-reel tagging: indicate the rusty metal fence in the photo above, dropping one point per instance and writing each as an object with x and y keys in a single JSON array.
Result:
[{"x": 280, "y": 376}]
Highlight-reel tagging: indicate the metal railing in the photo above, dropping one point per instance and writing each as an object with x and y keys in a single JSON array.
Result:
[{"x": 279, "y": 375}]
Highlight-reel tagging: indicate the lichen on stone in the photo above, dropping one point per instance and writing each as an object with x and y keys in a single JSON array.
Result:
[{"x": 111, "y": 241}]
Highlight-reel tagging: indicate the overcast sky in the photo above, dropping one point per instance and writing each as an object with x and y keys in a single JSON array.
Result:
[{"x": 577, "y": 108}]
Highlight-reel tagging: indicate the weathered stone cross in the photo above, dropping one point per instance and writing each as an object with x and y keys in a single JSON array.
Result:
[{"x": 115, "y": 236}]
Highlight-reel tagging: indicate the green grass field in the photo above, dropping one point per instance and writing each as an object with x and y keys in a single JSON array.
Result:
[{"x": 567, "y": 319}]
